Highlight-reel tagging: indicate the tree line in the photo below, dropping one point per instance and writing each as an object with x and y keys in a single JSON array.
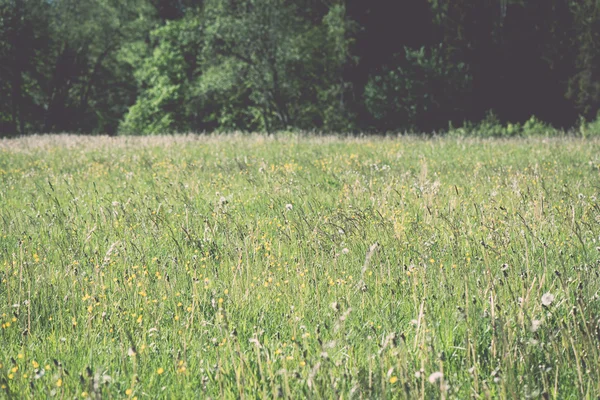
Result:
[{"x": 160, "y": 66}]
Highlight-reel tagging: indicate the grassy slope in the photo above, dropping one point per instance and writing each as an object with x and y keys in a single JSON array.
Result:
[{"x": 175, "y": 267}]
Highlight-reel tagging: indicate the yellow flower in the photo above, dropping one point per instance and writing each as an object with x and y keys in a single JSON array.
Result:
[
  {"x": 393, "y": 379},
  {"x": 59, "y": 382},
  {"x": 128, "y": 392},
  {"x": 160, "y": 371}
]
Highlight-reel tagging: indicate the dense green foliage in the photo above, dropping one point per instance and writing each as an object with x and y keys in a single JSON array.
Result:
[
  {"x": 264, "y": 267},
  {"x": 151, "y": 66}
]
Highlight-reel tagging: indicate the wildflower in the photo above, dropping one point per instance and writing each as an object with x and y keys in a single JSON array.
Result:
[
  {"x": 345, "y": 251},
  {"x": 289, "y": 207},
  {"x": 547, "y": 299},
  {"x": 436, "y": 376},
  {"x": 160, "y": 371},
  {"x": 535, "y": 325},
  {"x": 393, "y": 379},
  {"x": 128, "y": 392},
  {"x": 59, "y": 382}
]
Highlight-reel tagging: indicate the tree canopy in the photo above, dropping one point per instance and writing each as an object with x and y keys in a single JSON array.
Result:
[{"x": 160, "y": 66}]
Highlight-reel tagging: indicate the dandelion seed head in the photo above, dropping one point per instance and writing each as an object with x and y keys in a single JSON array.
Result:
[
  {"x": 436, "y": 376},
  {"x": 535, "y": 325},
  {"x": 547, "y": 299}
]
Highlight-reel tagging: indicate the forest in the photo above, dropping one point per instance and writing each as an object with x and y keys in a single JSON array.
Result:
[{"x": 166, "y": 66}]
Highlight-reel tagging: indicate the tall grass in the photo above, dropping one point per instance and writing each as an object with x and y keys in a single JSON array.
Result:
[{"x": 251, "y": 266}]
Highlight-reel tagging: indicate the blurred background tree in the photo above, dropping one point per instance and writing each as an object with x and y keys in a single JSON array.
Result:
[{"x": 157, "y": 66}]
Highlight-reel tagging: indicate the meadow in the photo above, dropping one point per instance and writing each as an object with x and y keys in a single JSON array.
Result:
[{"x": 250, "y": 266}]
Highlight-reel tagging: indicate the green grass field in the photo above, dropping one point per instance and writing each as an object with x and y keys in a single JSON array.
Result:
[{"x": 320, "y": 267}]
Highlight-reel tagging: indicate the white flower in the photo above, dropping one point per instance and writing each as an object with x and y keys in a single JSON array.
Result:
[
  {"x": 436, "y": 376},
  {"x": 547, "y": 299},
  {"x": 535, "y": 325},
  {"x": 345, "y": 251},
  {"x": 289, "y": 207}
]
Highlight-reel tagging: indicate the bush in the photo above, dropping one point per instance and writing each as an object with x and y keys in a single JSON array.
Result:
[
  {"x": 591, "y": 128},
  {"x": 491, "y": 126}
]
